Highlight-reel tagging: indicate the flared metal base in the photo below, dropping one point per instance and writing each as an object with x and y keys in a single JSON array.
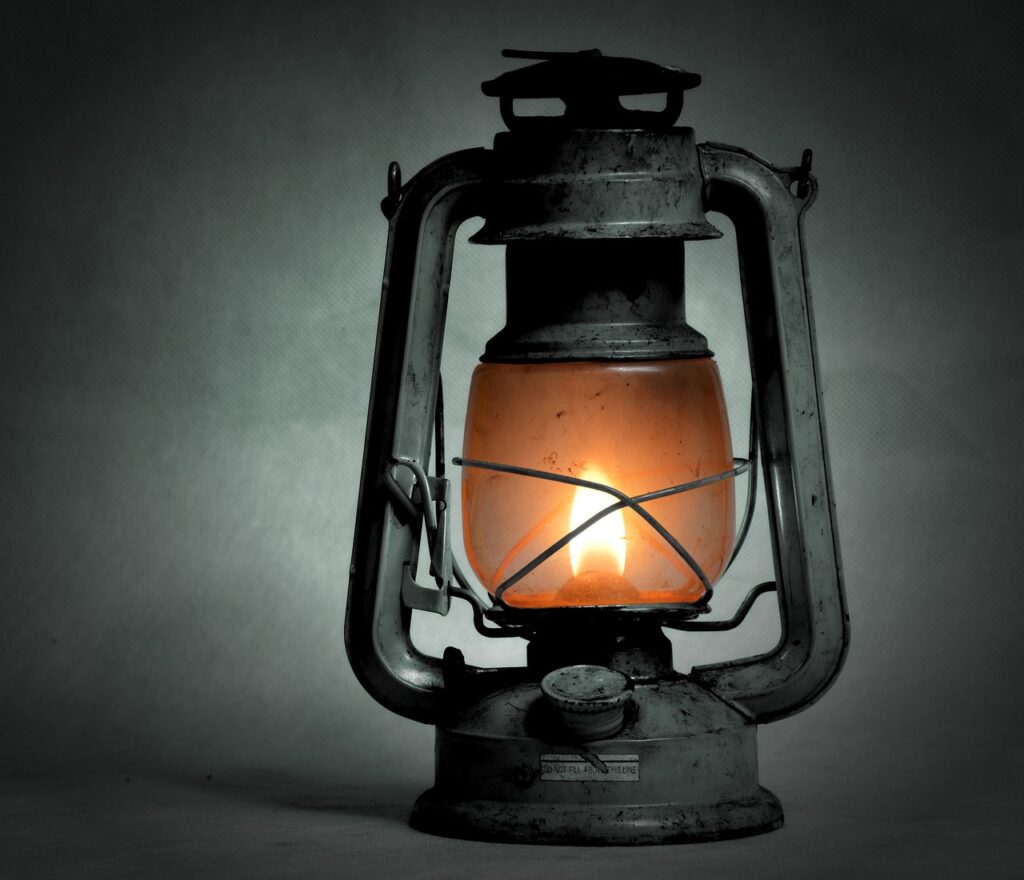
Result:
[
  {"x": 682, "y": 769},
  {"x": 596, "y": 825}
]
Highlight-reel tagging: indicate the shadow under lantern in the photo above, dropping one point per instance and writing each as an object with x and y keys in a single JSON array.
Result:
[{"x": 597, "y": 473}]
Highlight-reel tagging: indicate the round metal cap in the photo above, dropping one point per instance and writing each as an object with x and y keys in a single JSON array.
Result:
[{"x": 590, "y": 699}]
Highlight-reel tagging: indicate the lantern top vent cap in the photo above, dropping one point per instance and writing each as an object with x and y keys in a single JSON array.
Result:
[{"x": 590, "y": 85}]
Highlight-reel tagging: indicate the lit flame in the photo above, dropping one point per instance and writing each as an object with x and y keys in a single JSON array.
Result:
[{"x": 602, "y": 547}]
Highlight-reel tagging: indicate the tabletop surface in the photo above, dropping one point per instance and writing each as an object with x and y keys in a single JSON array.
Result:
[{"x": 266, "y": 824}]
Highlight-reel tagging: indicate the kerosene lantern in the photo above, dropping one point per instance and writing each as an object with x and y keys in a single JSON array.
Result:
[{"x": 597, "y": 473}]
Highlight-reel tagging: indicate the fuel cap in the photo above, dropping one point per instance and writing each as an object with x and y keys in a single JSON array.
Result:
[{"x": 591, "y": 700}]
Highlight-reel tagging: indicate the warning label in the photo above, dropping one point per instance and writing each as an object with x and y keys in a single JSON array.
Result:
[{"x": 603, "y": 768}]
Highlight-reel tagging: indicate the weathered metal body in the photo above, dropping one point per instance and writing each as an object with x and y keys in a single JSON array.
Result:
[
  {"x": 635, "y": 196},
  {"x": 683, "y": 768}
]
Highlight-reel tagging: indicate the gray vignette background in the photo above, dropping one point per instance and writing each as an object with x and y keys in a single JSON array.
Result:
[{"x": 190, "y": 261}]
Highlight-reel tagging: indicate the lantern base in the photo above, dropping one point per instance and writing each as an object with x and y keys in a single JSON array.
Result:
[
  {"x": 582, "y": 825},
  {"x": 683, "y": 768}
]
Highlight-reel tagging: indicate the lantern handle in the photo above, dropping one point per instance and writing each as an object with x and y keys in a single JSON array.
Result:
[
  {"x": 767, "y": 214},
  {"x": 424, "y": 216}
]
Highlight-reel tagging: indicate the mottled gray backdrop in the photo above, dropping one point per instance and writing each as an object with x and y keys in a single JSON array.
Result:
[{"x": 190, "y": 261}]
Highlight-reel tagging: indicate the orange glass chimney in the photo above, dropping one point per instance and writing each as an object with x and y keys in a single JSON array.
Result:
[{"x": 635, "y": 426}]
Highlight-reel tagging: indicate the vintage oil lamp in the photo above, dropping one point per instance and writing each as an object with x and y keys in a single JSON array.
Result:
[{"x": 597, "y": 473}]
